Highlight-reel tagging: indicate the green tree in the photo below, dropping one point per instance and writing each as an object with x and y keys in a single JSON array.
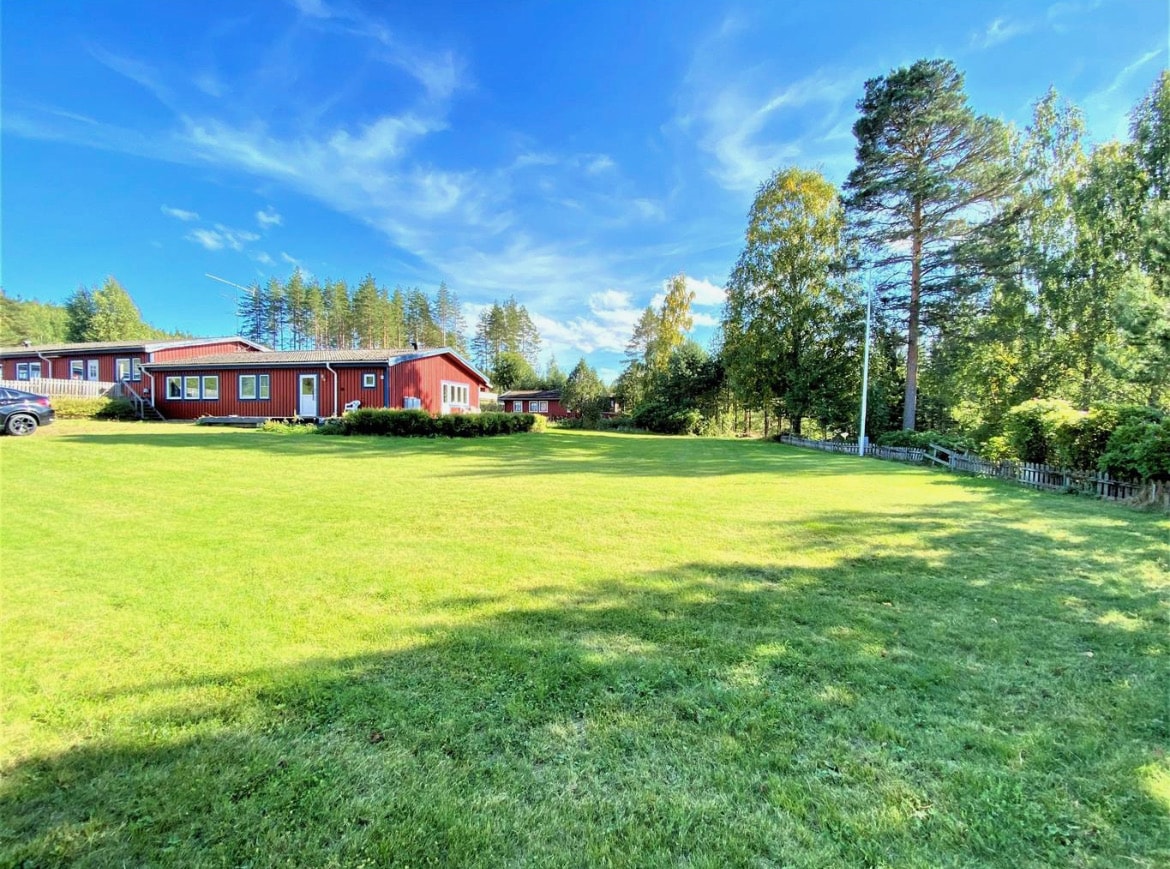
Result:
[
  {"x": 674, "y": 322},
  {"x": 115, "y": 317},
  {"x": 79, "y": 312},
  {"x": 583, "y": 390},
  {"x": 927, "y": 169},
  {"x": 787, "y": 318},
  {"x": 513, "y": 371}
]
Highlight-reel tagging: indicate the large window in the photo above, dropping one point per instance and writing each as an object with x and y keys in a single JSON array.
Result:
[
  {"x": 456, "y": 394},
  {"x": 77, "y": 369},
  {"x": 211, "y": 387},
  {"x": 174, "y": 387},
  {"x": 538, "y": 407},
  {"x": 191, "y": 386},
  {"x": 253, "y": 387},
  {"x": 121, "y": 369},
  {"x": 28, "y": 370}
]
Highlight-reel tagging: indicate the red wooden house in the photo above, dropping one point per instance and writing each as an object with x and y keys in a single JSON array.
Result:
[
  {"x": 313, "y": 383},
  {"x": 108, "y": 361},
  {"x": 543, "y": 401}
]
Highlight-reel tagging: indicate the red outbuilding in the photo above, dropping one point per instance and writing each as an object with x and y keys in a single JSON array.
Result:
[
  {"x": 313, "y": 384},
  {"x": 543, "y": 401},
  {"x": 108, "y": 361}
]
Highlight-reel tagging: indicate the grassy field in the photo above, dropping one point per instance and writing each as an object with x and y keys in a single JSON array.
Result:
[{"x": 570, "y": 649}]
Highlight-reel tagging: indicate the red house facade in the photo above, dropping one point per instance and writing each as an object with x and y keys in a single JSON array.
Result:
[
  {"x": 543, "y": 401},
  {"x": 313, "y": 384},
  {"x": 108, "y": 361}
]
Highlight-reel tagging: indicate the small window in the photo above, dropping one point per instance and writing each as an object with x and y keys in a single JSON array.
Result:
[
  {"x": 517, "y": 407},
  {"x": 247, "y": 387},
  {"x": 135, "y": 370},
  {"x": 211, "y": 387},
  {"x": 191, "y": 386},
  {"x": 77, "y": 369},
  {"x": 22, "y": 371},
  {"x": 369, "y": 380},
  {"x": 91, "y": 370},
  {"x": 34, "y": 370},
  {"x": 174, "y": 387},
  {"x": 262, "y": 386}
]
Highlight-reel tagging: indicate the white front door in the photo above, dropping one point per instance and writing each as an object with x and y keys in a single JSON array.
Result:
[{"x": 307, "y": 396}]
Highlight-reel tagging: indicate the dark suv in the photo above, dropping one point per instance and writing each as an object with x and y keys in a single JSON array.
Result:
[{"x": 22, "y": 412}]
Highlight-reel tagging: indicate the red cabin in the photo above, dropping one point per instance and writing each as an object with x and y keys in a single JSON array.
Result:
[
  {"x": 312, "y": 384},
  {"x": 543, "y": 401}
]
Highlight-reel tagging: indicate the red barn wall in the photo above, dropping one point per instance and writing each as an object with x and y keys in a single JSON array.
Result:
[
  {"x": 283, "y": 386},
  {"x": 60, "y": 364},
  {"x": 423, "y": 379}
]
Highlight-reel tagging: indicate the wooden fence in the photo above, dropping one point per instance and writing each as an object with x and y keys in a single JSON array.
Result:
[
  {"x": 71, "y": 388},
  {"x": 1035, "y": 476}
]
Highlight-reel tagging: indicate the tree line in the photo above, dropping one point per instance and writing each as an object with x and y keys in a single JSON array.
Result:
[
  {"x": 1003, "y": 265},
  {"x": 103, "y": 313}
]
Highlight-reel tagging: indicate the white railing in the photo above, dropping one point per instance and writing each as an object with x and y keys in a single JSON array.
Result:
[{"x": 71, "y": 388}]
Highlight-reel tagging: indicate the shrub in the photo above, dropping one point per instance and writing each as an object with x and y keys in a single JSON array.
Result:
[
  {"x": 273, "y": 426},
  {"x": 418, "y": 423},
  {"x": 1139, "y": 448},
  {"x": 1031, "y": 428},
  {"x": 923, "y": 439},
  {"x": 663, "y": 418},
  {"x": 70, "y": 407}
]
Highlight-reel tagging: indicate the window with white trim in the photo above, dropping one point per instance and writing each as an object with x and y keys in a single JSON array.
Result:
[
  {"x": 191, "y": 386},
  {"x": 135, "y": 369},
  {"x": 76, "y": 369},
  {"x": 369, "y": 380},
  {"x": 175, "y": 387},
  {"x": 517, "y": 407},
  {"x": 92, "y": 371},
  {"x": 122, "y": 369},
  {"x": 22, "y": 371},
  {"x": 253, "y": 387},
  {"x": 456, "y": 394},
  {"x": 538, "y": 407},
  {"x": 211, "y": 387}
]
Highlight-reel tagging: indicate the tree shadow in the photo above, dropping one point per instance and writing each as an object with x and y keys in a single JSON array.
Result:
[{"x": 890, "y": 707}]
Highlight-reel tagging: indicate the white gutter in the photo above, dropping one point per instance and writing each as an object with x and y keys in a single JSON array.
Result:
[
  {"x": 48, "y": 360},
  {"x": 334, "y": 373}
]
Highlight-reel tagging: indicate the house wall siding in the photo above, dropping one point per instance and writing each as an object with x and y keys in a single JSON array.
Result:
[
  {"x": 423, "y": 379},
  {"x": 61, "y": 363}
]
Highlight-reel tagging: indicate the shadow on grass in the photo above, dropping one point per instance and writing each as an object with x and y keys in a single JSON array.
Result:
[{"x": 930, "y": 708}]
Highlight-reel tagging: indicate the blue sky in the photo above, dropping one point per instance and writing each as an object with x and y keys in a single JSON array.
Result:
[{"x": 571, "y": 154}]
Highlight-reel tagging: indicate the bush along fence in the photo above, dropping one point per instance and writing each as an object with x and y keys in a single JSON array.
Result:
[
  {"x": 420, "y": 424},
  {"x": 1031, "y": 474}
]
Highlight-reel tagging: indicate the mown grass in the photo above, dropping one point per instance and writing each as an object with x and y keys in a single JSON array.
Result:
[{"x": 570, "y": 649}]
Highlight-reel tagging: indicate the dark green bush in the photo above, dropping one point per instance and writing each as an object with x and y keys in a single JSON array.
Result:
[
  {"x": 1080, "y": 442},
  {"x": 1031, "y": 428},
  {"x": 663, "y": 418},
  {"x": 1139, "y": 448},
  {"x": 420, "y": 424}
]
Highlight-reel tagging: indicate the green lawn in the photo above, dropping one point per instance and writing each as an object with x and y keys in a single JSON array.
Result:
[{"x": 228, "y": 648}]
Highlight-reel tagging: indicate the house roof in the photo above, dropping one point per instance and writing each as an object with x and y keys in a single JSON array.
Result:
[
  {"x": 295, "y": 358},
  {"x": 113, "y": 346},
  {"x": 532, "y": 394}
]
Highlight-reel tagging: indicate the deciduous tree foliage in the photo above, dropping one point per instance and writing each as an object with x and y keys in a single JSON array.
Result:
[{"x": 790, "y": 325}]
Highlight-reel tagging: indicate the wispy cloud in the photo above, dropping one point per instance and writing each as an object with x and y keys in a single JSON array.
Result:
[
  {"x": 751, "y": 122},
  {"x": 263, "y": 257},
  {"x": 1000, "y": 30},
  {"x": 269, "y": 217},
  {"x": 1109, "y": 106},
  {"x": 179, "y": 214},
  {"x": 222, "y": 238}
]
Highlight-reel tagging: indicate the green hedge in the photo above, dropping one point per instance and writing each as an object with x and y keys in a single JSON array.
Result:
[
  {"x": 1139, "y": 448},
  {"x": 420, "y": 424},
  {"x": 71, "y": 407},
  {"x": 923, "y": 439}
]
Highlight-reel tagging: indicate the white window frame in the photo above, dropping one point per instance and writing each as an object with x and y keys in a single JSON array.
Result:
[
  {"x": 175, "y": 381},
  {"x": 22, "y": 371},
  {"x": 187, "y": 390},
  {"x": 453, "y": 390},
  {"x": 538, "y": 407},
  {"x": 212, "y": 393},
  {"x": 369, "y": 380},
  {"x": 517, "y": 407},
  {"x": 249, "y": 379},
  {"x": 92, "y": 370},
  {"x": 263, "y": 387},
  {"x": 77, "y": 369},
  {"x": 135, "y": 369},
  {"x": 34, "y": 371},
  {"x": 122, "y": 369}
]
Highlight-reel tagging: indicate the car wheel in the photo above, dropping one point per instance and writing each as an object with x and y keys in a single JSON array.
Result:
[{"x": 21, "y": 424}]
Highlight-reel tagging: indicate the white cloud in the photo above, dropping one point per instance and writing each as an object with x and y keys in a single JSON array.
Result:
[
  {"x": 312, "y": 8},
  {"x": 291, "y": 260},
  {"x": 222, "y": 237},
  {"x": 269, "y": 217},
  {"x": 700, "y": 319},
  {"x": 262, "y": 257},
  {"x": 1109, "y": 106},
  {"x": 999, "y": 31},
  {"x": 706, "y": 293},
  {"x": 179, "y": 214},
  {"x": 600, "y": 163}
]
